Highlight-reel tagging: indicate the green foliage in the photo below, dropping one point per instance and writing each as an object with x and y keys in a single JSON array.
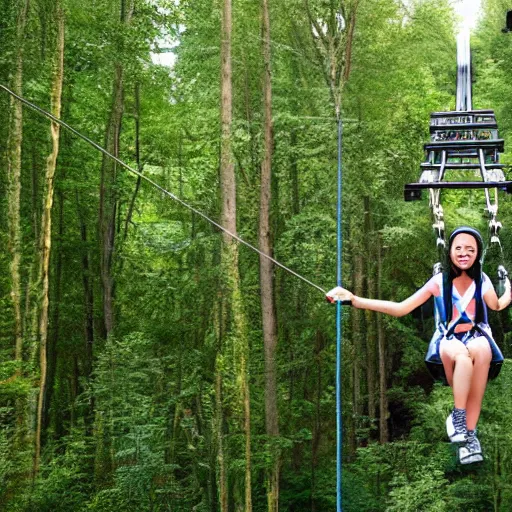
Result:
[
  {"x": 64, "y": 483},
  {"x": 130, "y": 420},
  {"x": 421, "y": 472}
]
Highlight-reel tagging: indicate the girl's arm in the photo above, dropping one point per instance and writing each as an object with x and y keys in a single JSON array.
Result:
[
  {"x": 492, "y": 301},
  {"x": 384, "y": 306}
]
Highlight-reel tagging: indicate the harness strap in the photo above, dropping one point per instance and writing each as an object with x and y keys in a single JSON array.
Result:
[{"x": 461, "y": 304}]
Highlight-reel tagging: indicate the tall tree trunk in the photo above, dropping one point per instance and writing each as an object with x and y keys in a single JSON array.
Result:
[
  {"x": 32, "y": 302},
  {"x": 266, "y": 275},
  {"x": 227, "y": 196},
  {"x": 29, "y": 327},
  {"x": 371, "y": 322},
  {"x": 229, "y": 263},
  {"x": 88, "y": 311},
  {"x": 46, "y": 223},
  {"x": 136, "y": 116},
  {"x": 381, "y": 336},
  {"x": 108, "y": 195},
  {"x": 357, "y": 340},
  {"x": 52, "y": 344},
  {"x": 88, "y": 292},
  {"x": 14, "y": 180},
  {"x": 222, "y": 477},
  {"x": 109, "y": 200}
]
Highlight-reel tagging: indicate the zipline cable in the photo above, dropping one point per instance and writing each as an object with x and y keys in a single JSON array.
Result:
[
  {"x": 156, "y": 185},
  {"x": 339, "y": 425}
]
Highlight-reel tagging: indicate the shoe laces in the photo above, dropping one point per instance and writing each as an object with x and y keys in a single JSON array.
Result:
[
  {"x": 472, "y": 442},
  {"x": 459, "y": 420}
]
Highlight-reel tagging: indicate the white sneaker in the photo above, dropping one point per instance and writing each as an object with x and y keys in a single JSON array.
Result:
[
  {"x": 456, "y": 429},
  {"x": 471, "y": 451}
]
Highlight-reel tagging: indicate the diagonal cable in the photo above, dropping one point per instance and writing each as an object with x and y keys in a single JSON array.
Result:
[{"x": 156, "y": 185}]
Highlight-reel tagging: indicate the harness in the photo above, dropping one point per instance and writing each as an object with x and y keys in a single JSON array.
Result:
[{"x": 446, "y": 329}]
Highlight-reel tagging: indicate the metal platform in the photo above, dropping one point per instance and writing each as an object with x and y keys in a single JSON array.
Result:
[
  {"x": 466, "y": 142},
  {"x": 412, "y": 191},
  {"x": 460, "y": 166},
  {"x": 465, "y": 145}
]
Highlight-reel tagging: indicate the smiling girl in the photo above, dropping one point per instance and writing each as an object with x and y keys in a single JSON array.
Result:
[{"x": 462, "y": 351}]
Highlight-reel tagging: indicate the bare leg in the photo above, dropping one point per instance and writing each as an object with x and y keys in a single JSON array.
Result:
[
  {"x": 481, "y": 354},
  {"x": 462, "y": 378},
  {"x": 458, "y": 368}
]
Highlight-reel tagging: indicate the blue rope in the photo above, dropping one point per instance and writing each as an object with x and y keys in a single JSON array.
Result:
[{"x": 339, "y": 433}]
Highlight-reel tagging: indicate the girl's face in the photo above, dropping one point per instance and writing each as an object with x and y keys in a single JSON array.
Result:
[{"x": 464, "y": 251}]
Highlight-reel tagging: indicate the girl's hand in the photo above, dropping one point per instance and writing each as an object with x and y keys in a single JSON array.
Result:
[
  {"x": 506, "y": 298},
  {"x": 339, "y": 294}
]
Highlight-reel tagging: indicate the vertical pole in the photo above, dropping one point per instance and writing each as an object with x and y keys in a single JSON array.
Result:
[{"x": 339, "y": 440}]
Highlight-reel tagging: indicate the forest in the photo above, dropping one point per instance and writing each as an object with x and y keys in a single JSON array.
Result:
[{"x": 149, "y": 362}]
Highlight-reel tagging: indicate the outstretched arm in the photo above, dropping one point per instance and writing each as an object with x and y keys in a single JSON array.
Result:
[{"x": 383, "y": 306}]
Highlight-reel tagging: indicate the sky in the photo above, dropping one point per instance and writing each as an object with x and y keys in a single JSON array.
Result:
[
  {"x": 164, "y": 59},
  {"x": 469, "y": 10}
]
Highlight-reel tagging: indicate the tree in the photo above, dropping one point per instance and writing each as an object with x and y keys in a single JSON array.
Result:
[
  {"x": 46, "y": 223},
  {"x": 266, "y": 274},
  {"x": 14, "y": 176},
  {"x": 109, "y": 193},
  {"x": 232, "y": 298}
]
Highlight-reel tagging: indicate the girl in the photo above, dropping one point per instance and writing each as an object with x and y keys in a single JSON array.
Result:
[{"x": 462, "y": 351}]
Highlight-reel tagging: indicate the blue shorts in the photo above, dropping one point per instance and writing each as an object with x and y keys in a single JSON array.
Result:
[{"x": 433, "y": 358}]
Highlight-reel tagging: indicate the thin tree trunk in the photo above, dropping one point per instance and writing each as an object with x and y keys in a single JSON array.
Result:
[
  {"x": 46, "y": 223},
  {"x": 228, "y": 195},
  {"x": 14, "y": 181},
  {"x": 31, "y": 299},
  {"x": 357, "y": 339},
  {"x": 348, "y": 44},
  {"x": 109, "y": 200},
  {"x": 88, "y": 311},
  {"x": 381, "y": 336},
  {"x": 242, "y": 336},
  {"x": 136, "y": 116},
  {"x": 227, "y": 169},
  {"x": 52, "y": 344},
  {"x": 222, "y": 478},
  {"x": 229, "y": 263},
  {"x": 88, "y": 293},
  {"x": 14, "y": 143},
  {"x": 266, "y": 275},
  {"x": 371, "y": 322}
]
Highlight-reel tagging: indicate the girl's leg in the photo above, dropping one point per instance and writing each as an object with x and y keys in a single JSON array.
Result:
[
  {"x": 481, "y": 354},
  {"x": 458, "y": 368}
]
